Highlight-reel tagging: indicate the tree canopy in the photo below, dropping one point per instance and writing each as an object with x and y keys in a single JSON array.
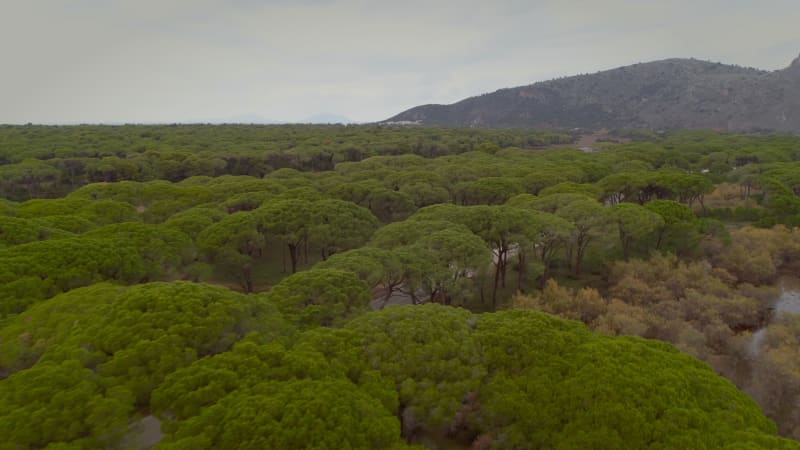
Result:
[{"x": 381, "y": 286}]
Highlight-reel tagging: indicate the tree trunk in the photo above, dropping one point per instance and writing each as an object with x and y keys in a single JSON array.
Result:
[
  {"x": 579, "y": 258},
  {"x": 247, "y": 273},
  {"x": 500, "y": 263},
  {"x": 494, "y": 290},
  {"x": 504, "y": 261},
  {"x": 543, "y": 280},
  {"x": 626, "y": 247},
  {"x": 387, "y": 296},
  {"x": 293, "y": 256},
  {"x": 568, "y": 252},
  {"x": 522, "y": 269}
]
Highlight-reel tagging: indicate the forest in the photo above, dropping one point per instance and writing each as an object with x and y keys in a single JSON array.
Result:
[{"x": 371, "y": 287}]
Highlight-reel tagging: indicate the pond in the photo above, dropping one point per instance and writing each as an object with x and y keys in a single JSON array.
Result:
[{"x": 788, "y": 302}]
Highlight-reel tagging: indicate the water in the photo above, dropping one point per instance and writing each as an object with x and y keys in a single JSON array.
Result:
[
  {"x": 756, "y": 340},
  {"x": 787, "y": 303}
]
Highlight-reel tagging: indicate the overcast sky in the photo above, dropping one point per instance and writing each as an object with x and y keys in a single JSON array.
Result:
[{"x": 106, "y": 61}]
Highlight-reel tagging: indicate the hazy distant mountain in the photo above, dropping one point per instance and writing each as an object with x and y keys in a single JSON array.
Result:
[
  {"x": 673, "y": 93},
  {"x": 252, "y": 118},
  {"x": 249, "y": 118},
  {"x": 327, "y": 118}
]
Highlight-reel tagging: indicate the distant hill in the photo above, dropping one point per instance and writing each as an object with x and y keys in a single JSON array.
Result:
[
  {"x": 253, "y": 118},
  {"x": 667, "y": 94},
  {"x": 326, "y": 118},
  {"x": 248, "y": 118}
]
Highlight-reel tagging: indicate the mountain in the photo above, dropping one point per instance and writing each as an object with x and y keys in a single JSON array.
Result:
[{"x": 667, "y": 94}]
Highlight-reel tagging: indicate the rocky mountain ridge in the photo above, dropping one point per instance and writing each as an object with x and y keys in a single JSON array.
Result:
[{"x": 666, "y": 94}]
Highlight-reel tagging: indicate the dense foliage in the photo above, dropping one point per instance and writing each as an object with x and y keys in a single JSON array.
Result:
[
  {"x": 505, "y": 380},
  {"x": 47, "y": 161},
  {"x": 210, "y": 287}
]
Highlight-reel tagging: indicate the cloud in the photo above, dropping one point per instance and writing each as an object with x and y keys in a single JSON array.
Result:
[{"x": 178, "y": 60}]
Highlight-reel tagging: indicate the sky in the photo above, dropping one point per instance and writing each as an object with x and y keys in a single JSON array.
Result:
[{"x": 168, "y": 61}]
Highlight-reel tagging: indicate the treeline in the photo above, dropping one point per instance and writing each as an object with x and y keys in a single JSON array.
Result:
[{"x": 51, "y": 161}]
